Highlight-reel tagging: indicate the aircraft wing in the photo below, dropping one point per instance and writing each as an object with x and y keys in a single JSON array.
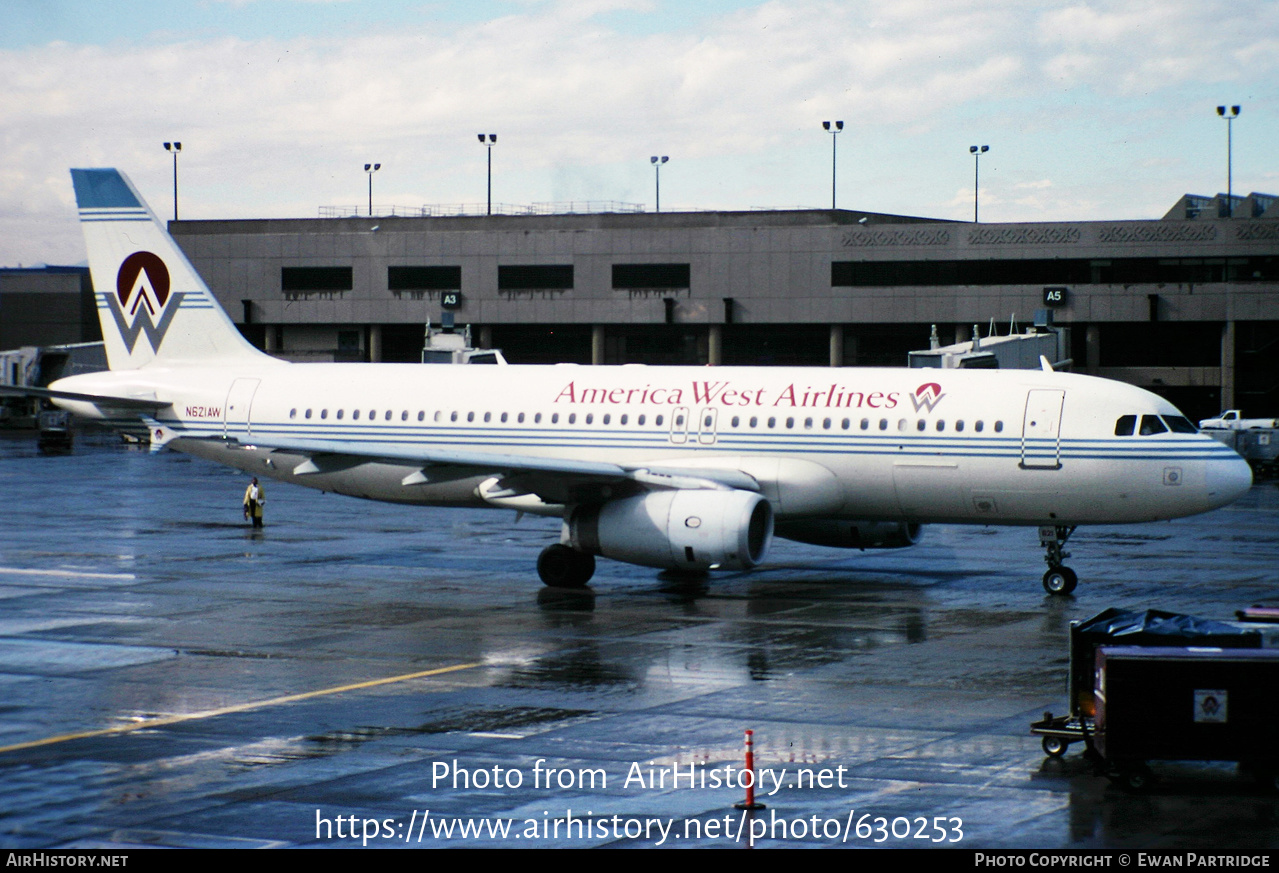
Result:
[
  {"x": 98, "y": 399},
  {"x": 554, "y": 480}
]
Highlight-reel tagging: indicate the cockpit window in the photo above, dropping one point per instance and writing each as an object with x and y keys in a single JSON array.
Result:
[
  {"x": 1151, "y": 424},
  {"x": 1179, "y": 424},
  {"x": 1124, "y": 426}
]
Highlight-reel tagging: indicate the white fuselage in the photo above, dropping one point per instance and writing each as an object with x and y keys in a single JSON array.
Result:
[{"x": 986, "y": 447}]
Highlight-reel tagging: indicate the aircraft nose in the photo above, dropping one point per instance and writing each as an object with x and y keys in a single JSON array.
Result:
[{"x": 1228, "y": 480}]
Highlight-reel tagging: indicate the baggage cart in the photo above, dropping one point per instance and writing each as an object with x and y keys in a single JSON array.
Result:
[
  {"x": 1150, "y": 627},
  {"x": 1186, "y": 704}
]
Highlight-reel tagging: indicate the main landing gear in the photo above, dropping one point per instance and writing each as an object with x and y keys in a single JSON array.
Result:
[
  {"x": 564, "y": 567},
  {"x": 1060, "y": 579}
]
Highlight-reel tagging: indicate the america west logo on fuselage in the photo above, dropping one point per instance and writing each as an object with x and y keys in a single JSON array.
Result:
[
  {"x": 926, "y": 396},
  {"x": 142, "y": 301}
]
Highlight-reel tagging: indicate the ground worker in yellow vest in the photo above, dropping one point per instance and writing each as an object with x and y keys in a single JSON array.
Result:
[{"x": 254, "y": 498}]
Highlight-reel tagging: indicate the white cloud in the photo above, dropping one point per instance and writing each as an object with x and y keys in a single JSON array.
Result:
[{"x": 1092, "y": 95}]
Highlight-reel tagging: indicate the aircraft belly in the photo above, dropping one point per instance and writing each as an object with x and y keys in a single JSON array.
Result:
[
  {"x": 931, "y": 489},
  {"x": 1091, "y": 492}
]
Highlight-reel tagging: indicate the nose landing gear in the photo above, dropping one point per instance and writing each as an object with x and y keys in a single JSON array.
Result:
[{"x": 1060, "y": 580}]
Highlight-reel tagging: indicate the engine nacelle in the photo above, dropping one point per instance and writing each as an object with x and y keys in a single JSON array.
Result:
[
  {"x": 850, "y": 533},
  {"x": 676, "y": 529}
]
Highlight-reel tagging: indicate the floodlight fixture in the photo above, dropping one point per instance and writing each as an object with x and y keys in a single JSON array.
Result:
[
  {"x": 833, "y": 128},
  {"x": 371, "y": 169},
  {"x": 657, "y": 170},
  {"x": 976, "y": 152},
  {"x": 1230, "y": 117},
  {"x": 489, "y": 143},
  {"x": 174, "y": 148}
]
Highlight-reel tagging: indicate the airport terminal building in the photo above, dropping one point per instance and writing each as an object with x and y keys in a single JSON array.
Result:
[{"x": 1186, "y": 305}]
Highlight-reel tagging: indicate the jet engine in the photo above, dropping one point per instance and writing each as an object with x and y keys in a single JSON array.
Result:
[
  {"x": 850, "y": 533},
  {"x": 676, "y": 529}
]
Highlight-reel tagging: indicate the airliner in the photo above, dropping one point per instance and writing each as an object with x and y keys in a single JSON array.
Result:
[{"x": 686, "y": 469}]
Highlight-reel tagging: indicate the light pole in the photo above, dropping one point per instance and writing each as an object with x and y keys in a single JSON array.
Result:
[
  {"x": 833, "y": 131},
  {"x": 1230, "y": 119},
  {"x": 491, "y": 140},
  {"x": 657, "y": 170},
  {"x": 976, "y": 152},
  {"x": 174, "y": 147},
  {"x": 371, "y": 169}
]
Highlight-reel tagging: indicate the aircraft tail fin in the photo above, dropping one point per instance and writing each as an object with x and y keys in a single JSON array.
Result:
[{"x": 151, "y": 302}]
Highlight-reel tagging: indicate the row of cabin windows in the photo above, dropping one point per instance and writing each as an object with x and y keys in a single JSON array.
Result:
[
  {"x": 487, "y": 417},
  {"x": 866, "y": 424},
  {"x": 1126, "y": 425},
  {"x": 641, "y": 420}
]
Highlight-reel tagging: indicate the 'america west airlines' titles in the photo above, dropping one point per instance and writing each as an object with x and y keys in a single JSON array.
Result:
[{"x": 726, "y": 393}]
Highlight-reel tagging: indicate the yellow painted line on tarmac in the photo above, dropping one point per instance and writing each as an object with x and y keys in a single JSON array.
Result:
[{"x": 163, "y": 721}]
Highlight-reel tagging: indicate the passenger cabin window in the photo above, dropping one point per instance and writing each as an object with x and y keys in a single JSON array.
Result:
[
  {"x": 1151, "y": 424},
  {"x": 1125, "y": 425}
]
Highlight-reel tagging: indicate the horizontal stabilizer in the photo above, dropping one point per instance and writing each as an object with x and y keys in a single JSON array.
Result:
[{"x": 101, "y": 400}]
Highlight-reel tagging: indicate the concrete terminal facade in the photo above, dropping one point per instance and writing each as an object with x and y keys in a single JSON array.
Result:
[{"x": 1187, "y": 305}]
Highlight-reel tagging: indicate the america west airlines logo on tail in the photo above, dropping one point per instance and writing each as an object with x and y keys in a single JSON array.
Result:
[{"x": 143, "y": 302}]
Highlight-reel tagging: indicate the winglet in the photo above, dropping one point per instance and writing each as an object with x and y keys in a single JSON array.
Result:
[{"x": 1045, "y": 366}]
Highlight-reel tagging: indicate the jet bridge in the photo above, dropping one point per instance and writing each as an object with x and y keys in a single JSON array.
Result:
[{"x": 1014, "y": 351}]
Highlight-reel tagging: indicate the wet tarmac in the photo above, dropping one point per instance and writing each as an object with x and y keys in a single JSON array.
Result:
[{"x": 169, "y": 677}]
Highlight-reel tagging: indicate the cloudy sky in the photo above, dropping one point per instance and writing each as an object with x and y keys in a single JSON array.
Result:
[{"x": 1091, "y": 109}]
